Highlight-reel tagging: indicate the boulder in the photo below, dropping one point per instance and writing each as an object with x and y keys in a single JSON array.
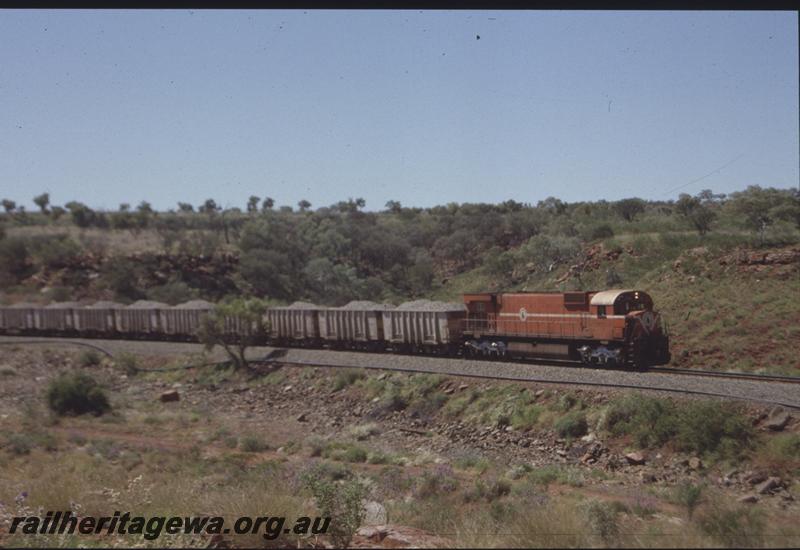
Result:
[
  {"x": 374, "y": 513},
  {"x": 635, "y": 458},
  {"x": 695, "y": 463},
  {"x": 750, "y": 499},
  {"x": 756, "y": 478},
  {"x": 301, "y": 417},
  {"x": 768, "y": 485},
  {"x": 777, "y": 422},
  {"x": 170, "y": 395}
]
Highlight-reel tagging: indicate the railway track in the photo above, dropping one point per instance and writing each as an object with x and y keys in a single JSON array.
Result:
[
  {"x": 795, "y": 406},
  {"x": 732, "y": 375},
  {"x": 767, "y": 389}
]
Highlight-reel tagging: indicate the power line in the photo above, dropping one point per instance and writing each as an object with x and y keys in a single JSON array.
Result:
[{"x": 703, "y": 177}]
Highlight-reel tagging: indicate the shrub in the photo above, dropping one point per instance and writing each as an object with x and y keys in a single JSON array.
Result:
[
  {"x": 173, "y": 293},
  {"x": 688, "y": 495},
  {"x": 253, "y": 444},
  {"x": 711, "y": 427},
  {"x": 734, "y": 527},
  {"x": 571, "y": 425},
  {"x": 19, "y": 444},
  {"x": 22, "y": 443},
  {"x": 331, "y": 471},
  {"x": 780, "y": 452},
  {"x": 346, "y": 452},
  {"x": 548, "y": 474},
  {"x": 602, "y": 520},
  {"x": 649, "y": 420},
  {"x": 14, "y": 261},
  {"x": 58, "y": 294},
  {"x": 347, "y": 377},
  {"x": 364, "y": 431},
  {"x": 127, "y": 362},
  {"x": 355, "y": 454},
  {"x": 76, "y": 393},
  {"x": 436, "y": 481},
  {"x": 5, "y": 370},
  {"x": 602, "y": 231},
  {"x": 342, "y": 502},
  {"x": 89, "y": 358}
]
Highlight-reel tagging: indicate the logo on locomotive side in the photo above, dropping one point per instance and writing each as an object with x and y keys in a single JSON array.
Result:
[
  {"x": 648, "y": 320},
  {"x": 523, "y": 313}
]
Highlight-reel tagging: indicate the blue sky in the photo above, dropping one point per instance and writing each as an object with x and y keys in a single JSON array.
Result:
[{"x": 121, "y": 106}]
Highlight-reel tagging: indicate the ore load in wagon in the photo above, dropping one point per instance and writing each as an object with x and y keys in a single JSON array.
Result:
[{"x": 298, "y": 321}]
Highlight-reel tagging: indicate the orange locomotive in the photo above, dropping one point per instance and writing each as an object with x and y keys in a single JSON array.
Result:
[{"x": 614, "y": 327}]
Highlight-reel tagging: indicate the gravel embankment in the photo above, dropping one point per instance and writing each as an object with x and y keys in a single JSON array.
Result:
[{"x": 765, "y": 392}]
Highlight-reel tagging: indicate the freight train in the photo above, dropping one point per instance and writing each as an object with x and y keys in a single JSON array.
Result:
[{"x": 610, "y": 327}]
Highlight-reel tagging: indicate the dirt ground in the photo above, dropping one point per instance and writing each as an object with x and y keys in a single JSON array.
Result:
[{"x": 298, "y": 417}]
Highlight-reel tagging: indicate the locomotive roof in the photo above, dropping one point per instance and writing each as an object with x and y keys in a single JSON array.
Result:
[{"x": 608, "y": 297}]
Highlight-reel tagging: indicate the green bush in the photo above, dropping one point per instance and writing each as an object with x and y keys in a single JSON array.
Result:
[
  {"x": 602, "y": 231},
  {"x": 340, "y": 501},
  {"x": 89, "y": 358},
  {"x": 127, "y": 362},
  {"x": 19, "y": 444},
  {"x": 76, "y": 393},
  {"x": 253, "y": 444},
  {"x": 781, "y": 451},
  {"x": 488, "y": 490},
  {"x": 173, "y": 293},
  {"x": 571, "y": 425},
  {"x": 347, "y": 377},
  {"x": 650, "y": 420},
  {"x": 688, "y": 495},
  {"x": 601, "y": 519},
  {"x": 714, "y": 428},
  {"x": 734, "y": 527},
  {"x": 5, "y": 370},
  {"x": 562, "y": 474}
]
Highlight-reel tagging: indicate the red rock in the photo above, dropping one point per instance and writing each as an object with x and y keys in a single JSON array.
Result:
[
  {"x": 635, "y": 458},
  {"x": 170, "y": 395}
]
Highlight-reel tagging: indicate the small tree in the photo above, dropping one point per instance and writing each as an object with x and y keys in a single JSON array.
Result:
[
  {"x": 56, "y": 212},
  {"x": 252, "y": 204},
  {"x": 267, "y": 204},
  {"x": 689, "y": 496},
  {"x": 760, "y": 207},
  {"x": 697, "y": 211},
  {"x": 42, "y": 201},
  {"x": 304, "y": 205},
  {"x": 247, "y": 316},
  {"x": 629, "y": 208},
  {"x": 9, "y": 205},
  {"x": 394, "y": 207},
  {"x": 185, "y": 207},
  {"x": 209, "y": 207},
  {"x": 343, "y": 502},
  {"x": 82, "y": 215}
]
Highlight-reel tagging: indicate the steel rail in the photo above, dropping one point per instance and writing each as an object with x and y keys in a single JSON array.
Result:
[
  {"x": 58, "y": 341},
  {"x": 306, "y": 363},
  {"x": 570, "y": 364},
  {"x": 733, "y": 375}
]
